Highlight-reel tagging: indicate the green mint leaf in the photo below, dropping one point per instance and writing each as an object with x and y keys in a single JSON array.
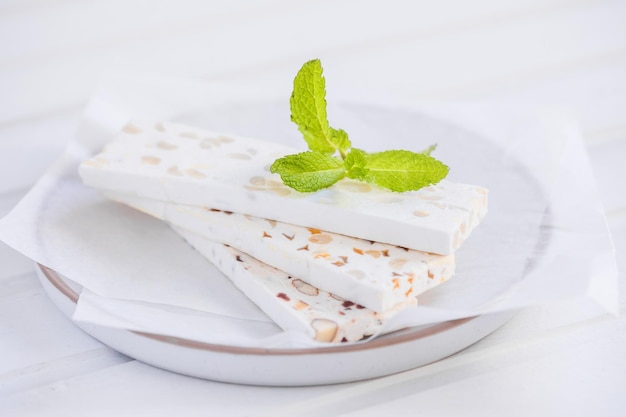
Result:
[
  {"x": 308, "y": 111},
  {"x": 308, "y": 171},
  {"x": 401, "y": 170},
  {"x": 356, "y": 164}
]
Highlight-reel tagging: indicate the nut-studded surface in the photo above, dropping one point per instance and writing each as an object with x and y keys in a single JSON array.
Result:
[
  {"x": 185, "y": 165},
  {"x": 376, "y": 275},
  {"x": 289, "y": 301}
]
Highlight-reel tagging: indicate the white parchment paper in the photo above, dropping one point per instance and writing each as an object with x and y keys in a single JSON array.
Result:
[{"x": 545, "y": 236}]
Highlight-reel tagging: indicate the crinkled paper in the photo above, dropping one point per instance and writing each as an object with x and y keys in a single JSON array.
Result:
[{"x": 544, "y": 239}]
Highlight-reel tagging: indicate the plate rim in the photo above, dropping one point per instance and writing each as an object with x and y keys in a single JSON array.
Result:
[{"x": 402, "y": 336}]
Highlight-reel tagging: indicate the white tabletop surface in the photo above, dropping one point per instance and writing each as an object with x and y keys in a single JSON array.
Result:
[{"x": 564, "y": 359}]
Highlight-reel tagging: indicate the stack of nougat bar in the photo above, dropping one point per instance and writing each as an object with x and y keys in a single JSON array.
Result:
[{"x": 335, "y": 264}]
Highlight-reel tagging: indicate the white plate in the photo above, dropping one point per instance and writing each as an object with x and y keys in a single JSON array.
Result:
[
  {"x": 488, "y": 264},
  {"x": 385, "y": 355}
]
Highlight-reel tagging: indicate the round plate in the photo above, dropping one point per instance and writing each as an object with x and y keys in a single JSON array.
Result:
[
  {"x": 487, "y": 266},
  {"x": 385, "y": 355}
]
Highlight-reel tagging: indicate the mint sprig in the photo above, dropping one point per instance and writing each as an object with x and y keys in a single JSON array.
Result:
[{"x": 320, "y": 166}]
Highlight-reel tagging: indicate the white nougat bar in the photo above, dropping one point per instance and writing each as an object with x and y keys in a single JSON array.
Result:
[
  {"x": 378, "y": 276},
  {"x": 190, "y": 166},
  {"x": 290, "y": 302}
]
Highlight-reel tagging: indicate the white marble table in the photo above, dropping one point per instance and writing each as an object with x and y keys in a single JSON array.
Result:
[{"x": 559, "y": 359}]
